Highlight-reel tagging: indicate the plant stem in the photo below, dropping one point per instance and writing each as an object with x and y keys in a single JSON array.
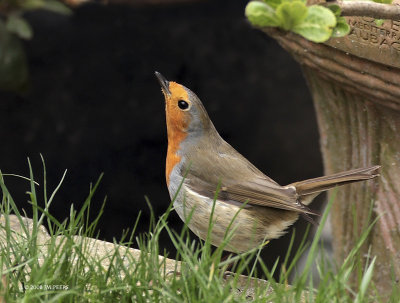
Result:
[{"x": 368, "y": 9}]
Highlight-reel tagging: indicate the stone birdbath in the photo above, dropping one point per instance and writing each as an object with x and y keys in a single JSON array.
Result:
[{"x": 355, "y": 86}]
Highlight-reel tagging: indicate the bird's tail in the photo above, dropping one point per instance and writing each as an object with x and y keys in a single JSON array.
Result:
[{"x": 308, "y": 189}]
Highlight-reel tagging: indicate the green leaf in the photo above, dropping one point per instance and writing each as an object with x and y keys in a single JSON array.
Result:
[
  {"x": 13, "y": 64},
  {"x": 273, "y": 3},
  {"x": 291, "y": 14},
  {"x": 341, "y": 29},
  {"x": 50, "y": 5},
  {"x": 366, "y": 279},
  {"x": 318, "y": 24},
  {"x": 57, "y": 7},
  {"x": 335, "y": 9},
  {"x": 379, "y": 22},
  {"x": 31, "y": 4},
  {"x": 19, "y": 26},
  {"x": 261, "y": 14},
  {"x": 313, "y": 32},
  {"x": 321, "y": 15},
  {"x": 303, "y": 1},
  {"x": 383, "y": 1}
]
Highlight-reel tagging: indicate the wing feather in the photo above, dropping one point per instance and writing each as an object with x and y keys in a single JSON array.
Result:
[
  {"x": 239, "y": 180},
  {"x": 261, "y": 193}
]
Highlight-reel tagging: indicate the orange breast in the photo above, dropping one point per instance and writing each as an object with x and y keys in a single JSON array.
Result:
[
  {"x": 177, "y": 122},
  {"x": 172, "y": 155}
]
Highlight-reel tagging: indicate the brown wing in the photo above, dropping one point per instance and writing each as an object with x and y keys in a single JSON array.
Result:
[
  {"x": 259, "y": 192},
  {"x": 239, "y": 181}
]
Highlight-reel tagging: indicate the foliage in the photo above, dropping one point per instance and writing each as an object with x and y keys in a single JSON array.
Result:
[
  {"x": 13, "y": 66},
  {"x": 383, "y": 1},
  {"x": 315, "y": 23},
  {"x": 13, "y": 27}
]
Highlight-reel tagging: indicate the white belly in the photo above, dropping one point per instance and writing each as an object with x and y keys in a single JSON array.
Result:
[{"x": 242, "y": 228}]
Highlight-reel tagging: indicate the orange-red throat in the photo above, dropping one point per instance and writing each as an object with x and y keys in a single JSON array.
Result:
[{"x": 177, "y": 123}]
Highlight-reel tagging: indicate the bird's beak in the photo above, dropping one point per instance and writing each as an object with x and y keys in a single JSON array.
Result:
[{"x": 164, "y": 83}]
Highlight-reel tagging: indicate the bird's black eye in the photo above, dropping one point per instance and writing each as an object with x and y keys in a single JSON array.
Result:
[{"x": 183, "y": 104}]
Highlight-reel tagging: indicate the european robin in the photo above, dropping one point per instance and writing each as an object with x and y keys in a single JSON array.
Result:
[{"x": 250, "y": 204}]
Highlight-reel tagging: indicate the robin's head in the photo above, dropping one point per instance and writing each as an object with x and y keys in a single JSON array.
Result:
[{"x": 184, "y": 110}]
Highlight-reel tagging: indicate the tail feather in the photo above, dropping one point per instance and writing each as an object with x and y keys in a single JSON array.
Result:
[{"x": 317, "y": 185}]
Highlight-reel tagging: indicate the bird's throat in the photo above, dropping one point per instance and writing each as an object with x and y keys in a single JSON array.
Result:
[{"x": 175, "y": 137}]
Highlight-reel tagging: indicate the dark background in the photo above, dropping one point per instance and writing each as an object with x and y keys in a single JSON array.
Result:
[{"x": 95, "y": 105}]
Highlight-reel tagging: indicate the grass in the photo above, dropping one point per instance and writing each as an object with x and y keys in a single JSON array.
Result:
[{"x": 68, "y": 273}]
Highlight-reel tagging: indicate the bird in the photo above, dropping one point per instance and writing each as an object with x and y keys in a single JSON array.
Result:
[{"x": 207, "y": 178}]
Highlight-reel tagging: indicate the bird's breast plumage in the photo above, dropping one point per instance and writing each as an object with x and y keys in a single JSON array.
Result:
[{"x": 173, "y": 156}]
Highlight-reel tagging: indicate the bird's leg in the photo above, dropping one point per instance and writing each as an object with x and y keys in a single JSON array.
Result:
[{"x": 227, "y": 272}]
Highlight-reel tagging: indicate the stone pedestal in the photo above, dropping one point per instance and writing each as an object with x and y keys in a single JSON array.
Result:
[{"x": 355, "y": 85}]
